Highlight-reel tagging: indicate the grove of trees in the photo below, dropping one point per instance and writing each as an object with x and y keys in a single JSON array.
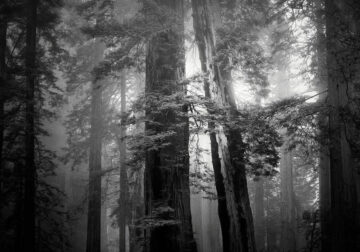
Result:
[{"x": 180, "y": 125}]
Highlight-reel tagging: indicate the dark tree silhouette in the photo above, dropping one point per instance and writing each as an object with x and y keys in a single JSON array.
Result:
[
  {"x": 28, "y": 231},
  {"x": 342, "y": 36},
  {"x": 167, "y": 192}
]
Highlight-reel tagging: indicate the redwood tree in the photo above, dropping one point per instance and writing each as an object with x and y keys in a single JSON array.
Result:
[
  {"x": 123, "y": 199},
  {"x": 93, "y": 243},
  {"x": 259, "y": 214},
  {"x": 3, "y": 77},
  {"x": 28, "y": 231},
  {"x": 287, "y": 207},
  {"x": 236, "y": 220},
  {"x": 324, "y": 165},
  {"x": 167, "y": 192},
  {"x": 342, "y": 36}
]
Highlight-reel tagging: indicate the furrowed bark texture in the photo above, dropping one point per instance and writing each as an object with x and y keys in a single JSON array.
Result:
[
  {"x": 167, "y": 191},
  {"x": 28, "y": 231},
  {"x": 343, "y": 61},
  {"x": 236, "y": 220},
  {"x": 93, "y": 243}
]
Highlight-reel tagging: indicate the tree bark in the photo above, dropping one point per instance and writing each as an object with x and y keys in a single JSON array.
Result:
[
  {"x": 30, "y": 168},
  {"x": 324, "y": 190},
  {"x": 123, "y": 200},
  {"x": 104, "y": 236},
  {"x": 3, "y": 77},
  {"x": 287, "y": 207},
  {"x": 259, "y": 215},
  {"x": 271, "y": 230},
  {"x": 324, "y": 164},
  {"x": 167, "y": 191},
  {"x": 137, "y": 202},
  {"x": 239, "y": 234},
  {"x": 342, "y": 33},
  {"x": 93, "y": 243},
  {"x": 220, "y": 189},
  {"x": 201, "y": 21}
]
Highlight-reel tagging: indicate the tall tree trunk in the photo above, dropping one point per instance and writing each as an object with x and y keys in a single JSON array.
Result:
[
  {"x": 271, "y": 230},
  {"x": 220, "y": 189},
  {"x": 30, "y": 168},
  {"x": 236, "y": 221},
  {"x": 324, "y": 164},
  {"x": 123, "y": 200},
  {"x": 19, "y": 205},
  {"x": 342, "y": 33},
  {"x": 93, "y": 243},
  {"x": 201, "y": 21},
  {"x": 287, "y": 207},
  {"x": 259, "y": 207},
  {"x": 137, "y": 204},
  {"x": 104, "y": 225},
  {"x": 167, "y": 191},
  {"x": 3, "y": 77},
  {"x": 324, "y": 190},
  {"x": 259, "y": 215}
]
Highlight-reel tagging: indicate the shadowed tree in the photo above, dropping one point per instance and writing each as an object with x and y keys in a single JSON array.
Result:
[
  {"x": 123, "y": 199},
  {"x": 3, "y": 77},
  {"x": 28, "y": 231},
  {"x": 287, "y": 205},
  {"x": 342, "y": 47},
  {"x": 230, "y": 176},
  {"x": 167, "y": 192},
  {"x": 96, "y": 121},
  {"x": 259, "y": 214},
  {"x": 202, "y": 24},
  {"x": 324, "y": 167}
]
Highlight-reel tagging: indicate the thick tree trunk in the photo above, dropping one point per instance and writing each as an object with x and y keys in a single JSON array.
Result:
[
  {"x": 324, "y": 181},
  {"x": 342, "y": 33},
  {"x": 259, "y": 207},
  {"x": 324, "y": 164},
  {"x": 236, "y": 220},
  {"x": 30, "y": 168},
  {"x": 220, "y": 189},
  {"x": 259, "y": 215},
  {"x": 167, "y": 191},
  {"x": 287, "y": 207},
  {"x": 201, "y": 20},
  {"x": 104, "y": 226},
  {"x": 123, "y": 200},
  {"x": 3, "y": 77},
  {"x": 271, "y": 230},
  {"x": 19, "y": 205},
  {"x": 237, "y": 196},
  {"x": 93, "y": 243},
  {"x": 137, "y": 205},
  {"x": 137, "y": 211}
]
